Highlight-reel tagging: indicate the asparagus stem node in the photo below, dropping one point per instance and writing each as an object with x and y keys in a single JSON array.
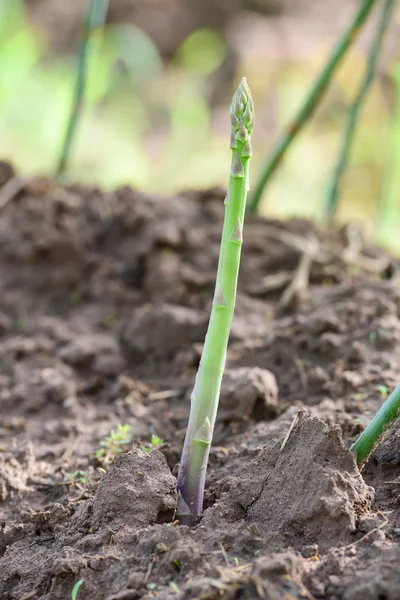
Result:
[{"x": 205, "y": 395}]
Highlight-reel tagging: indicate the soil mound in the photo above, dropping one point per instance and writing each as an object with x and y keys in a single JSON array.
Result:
[{"x": 274, "y": 490}]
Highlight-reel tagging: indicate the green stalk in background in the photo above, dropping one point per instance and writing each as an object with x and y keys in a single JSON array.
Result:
[
  {"x": 354, "y": 111},
  {"x": 205, "y": 395},
  {"x": 311, "y": 101},
  {"x": 388, "y": 210},
  {"x": 95, "y": 18},
  {"x": 384, "y": 418}
]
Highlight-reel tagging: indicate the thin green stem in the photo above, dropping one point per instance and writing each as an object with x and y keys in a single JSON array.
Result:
[
  {"x": 311, "y": 101},
  {"x": 384, "y": 418},
  {"x": 388, "y": 209},
  {"x": 94, "y": 18},
  {"x": 354, "y": 111},
  {"x": 205, "y": 395}
]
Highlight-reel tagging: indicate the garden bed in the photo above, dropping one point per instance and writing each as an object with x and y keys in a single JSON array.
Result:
[{"x": 103, "y": 310}]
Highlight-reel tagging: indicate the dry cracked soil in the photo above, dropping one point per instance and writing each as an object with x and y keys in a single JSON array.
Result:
[{"x": 103, "y": 309}]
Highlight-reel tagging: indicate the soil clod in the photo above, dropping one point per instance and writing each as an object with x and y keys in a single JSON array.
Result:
[{"x": 138, "y": 490}]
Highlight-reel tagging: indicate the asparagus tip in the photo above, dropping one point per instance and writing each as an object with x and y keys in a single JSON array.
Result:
[{"x": 242, "y": 114}]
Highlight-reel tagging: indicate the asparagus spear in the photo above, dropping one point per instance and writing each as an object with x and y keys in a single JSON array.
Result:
[
  {"x": 384, "y": 418},
  {"x": 205, "y": 395}
]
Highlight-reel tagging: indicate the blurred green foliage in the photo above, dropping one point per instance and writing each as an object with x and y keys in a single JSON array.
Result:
[
  {"x": 150, "y": 125},
  {"x": 141, "y": 121}
]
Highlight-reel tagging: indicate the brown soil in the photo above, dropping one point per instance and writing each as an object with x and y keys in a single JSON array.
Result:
[
  {"x": 103, "y": 309},
  {"x": 168, "y": 22}
]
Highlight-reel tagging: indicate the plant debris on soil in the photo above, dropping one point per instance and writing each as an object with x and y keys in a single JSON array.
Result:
[{"x": 104, "y": 304}]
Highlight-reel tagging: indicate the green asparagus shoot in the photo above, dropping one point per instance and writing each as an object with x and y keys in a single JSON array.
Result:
[
  {"x": 384, "y": 418},
  {"x": 205, "y": 395}
]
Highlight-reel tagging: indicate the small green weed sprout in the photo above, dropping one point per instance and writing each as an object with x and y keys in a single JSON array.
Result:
[
  {"x": 113, "y": 444},
  {"x": 383, "y": 420},
  {"x": 75, "y": 589},
  {"x": 155, "y": 442}
]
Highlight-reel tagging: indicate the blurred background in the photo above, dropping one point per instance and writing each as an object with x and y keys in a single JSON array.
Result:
[{"x": 160, "y": 78}]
